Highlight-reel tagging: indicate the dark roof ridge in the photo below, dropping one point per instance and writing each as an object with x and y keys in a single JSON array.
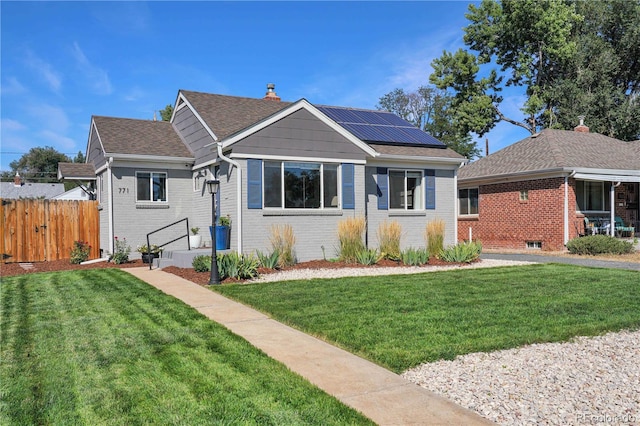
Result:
[{"x": 196, "y": 92}]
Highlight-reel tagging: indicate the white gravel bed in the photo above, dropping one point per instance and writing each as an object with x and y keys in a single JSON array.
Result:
[
  {"x": 586, "y": 381},
  {"x": 301, "y": 274}
]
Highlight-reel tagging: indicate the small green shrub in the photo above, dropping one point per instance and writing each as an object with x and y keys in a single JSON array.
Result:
[
  {"x": 389, "y": 235},
  {"x": 269, "y": 261},
  {"x": 599, "y": 244},
  {"x": 415, "y": 257},
  {"x": 80, "y": 252},
  {"x": 248, "y": 267},
  {"x": 350, "y": 232},
  {"x": 368, "y": 256},
  {"x": 201, "y": 263},
  {"x": 121, "y": 251},
  {"x": 239, "y": 266},
  {"x": 465, "y": 252}
]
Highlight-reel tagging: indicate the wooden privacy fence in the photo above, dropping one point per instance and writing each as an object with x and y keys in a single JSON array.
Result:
[{"x": 39, "y": 230}]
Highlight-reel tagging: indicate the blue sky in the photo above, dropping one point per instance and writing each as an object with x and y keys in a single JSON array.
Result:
[{"x": 63, "y": 62}]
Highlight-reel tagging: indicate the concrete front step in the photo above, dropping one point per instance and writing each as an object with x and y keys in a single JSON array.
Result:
[{"x": 181, "y": 258}]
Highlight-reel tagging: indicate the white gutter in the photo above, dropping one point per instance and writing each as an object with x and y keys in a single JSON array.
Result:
[
  {"x": 110, "y": 197},
  {"x": 239, "y": 192}
]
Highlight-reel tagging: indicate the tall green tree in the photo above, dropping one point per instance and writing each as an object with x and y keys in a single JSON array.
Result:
[
  {"x": 79, "y": 158},
  {"x": 166, "y": 113},
  {"x": 429, "y": 109},
  {"x": 571, "y": 57},
  {"x": 39, "y": 165}
]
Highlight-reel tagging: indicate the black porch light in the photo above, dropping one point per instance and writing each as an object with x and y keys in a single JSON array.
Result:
[{"x": 212, "y": 186}]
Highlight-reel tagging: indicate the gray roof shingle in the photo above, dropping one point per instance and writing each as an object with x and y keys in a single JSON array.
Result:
[
  {"x": 140, "y": 137},
  {"x": 9, "y": 190},
  {"x": 556, "y": 149},
  {"x": 226, "y": 115},
  {"x": 82, "y": 171}
]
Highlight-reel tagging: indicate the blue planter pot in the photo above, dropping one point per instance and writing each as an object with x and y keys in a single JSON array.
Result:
[{"x": 222, "y": 237}]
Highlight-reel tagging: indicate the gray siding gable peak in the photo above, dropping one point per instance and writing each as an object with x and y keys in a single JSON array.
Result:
[{"x": 301, "y": 104}]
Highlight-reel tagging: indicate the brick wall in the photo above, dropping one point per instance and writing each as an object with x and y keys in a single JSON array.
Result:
[{"x": 506, "y": 221}]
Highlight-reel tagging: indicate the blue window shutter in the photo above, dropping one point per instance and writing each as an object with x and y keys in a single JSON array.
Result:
[
  {"x": 383, "y": 188},
  {"x": 430, "y": 185},
  {"x": 254, "y": 184},
  {"x": 348, "y": 186}
]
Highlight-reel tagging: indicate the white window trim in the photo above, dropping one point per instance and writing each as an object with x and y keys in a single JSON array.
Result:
[
  {"x": 282, "y": 188},
  {"x": 151, "y": 173},
  {"x": 423, "y": 184}
]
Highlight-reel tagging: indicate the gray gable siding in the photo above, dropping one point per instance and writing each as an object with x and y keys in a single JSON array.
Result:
[
  {"x": 94, "y": 151},
  {"x": 194, "y": 134},
  {"x": 300, "y": 134},
  {"x": 413, "y": 224}
]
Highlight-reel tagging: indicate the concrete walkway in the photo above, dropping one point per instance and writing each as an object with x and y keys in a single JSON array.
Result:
[{"x": 379, "y": 394}]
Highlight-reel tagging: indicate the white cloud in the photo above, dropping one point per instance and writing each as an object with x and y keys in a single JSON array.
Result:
[
  {"x": 12, "y": 87},
  {"x": 45, "y": 71},
  {"x": 49, "y": 117},
  {"x": 11, "y": 125},
  {"x": 97, "y": 77},
  {"x": 60, "y": 142}
]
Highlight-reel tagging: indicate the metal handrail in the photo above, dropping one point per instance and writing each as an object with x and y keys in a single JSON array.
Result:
[{"x": 168, "y": 242}]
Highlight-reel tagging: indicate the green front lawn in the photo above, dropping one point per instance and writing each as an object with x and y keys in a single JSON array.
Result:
[
  {"x": 101, "y": 347},
  {"x": 402, "y": 321}
]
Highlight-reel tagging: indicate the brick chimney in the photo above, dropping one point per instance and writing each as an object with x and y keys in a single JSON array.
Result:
[
  {"x": 271, "y": 94},
  {"x": 17, "y": 181},
  {"x": 581, "y": 127}
]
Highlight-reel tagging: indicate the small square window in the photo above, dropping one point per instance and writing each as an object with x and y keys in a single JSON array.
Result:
[
  {"x": 534, "y": 245},
  {"x": 524, "y": 195}
]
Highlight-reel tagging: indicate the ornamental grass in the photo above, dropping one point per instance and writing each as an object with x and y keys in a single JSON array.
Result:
[{"x": 350, "y": 231}]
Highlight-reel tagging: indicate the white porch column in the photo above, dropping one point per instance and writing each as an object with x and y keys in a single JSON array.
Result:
[{"x": 612, "y": 208}]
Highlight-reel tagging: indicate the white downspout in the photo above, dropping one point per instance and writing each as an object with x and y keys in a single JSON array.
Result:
[
  {"x": 239, "y": 192},
  {"x": 566, "y": 206},
  {"x": 110, "y": 210}
]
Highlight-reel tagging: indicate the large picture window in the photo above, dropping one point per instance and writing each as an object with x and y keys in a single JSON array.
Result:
[
  {"x": 405, "y": 190},
  {"x": 300, "y": 185},
  {"x": 468, "y": 201},
  {"x": 592, "y": 196},
  {"x": 151, "y": 186}
]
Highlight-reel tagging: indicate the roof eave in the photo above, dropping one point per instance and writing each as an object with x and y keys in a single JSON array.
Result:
[{"x": 422, "y": 159}]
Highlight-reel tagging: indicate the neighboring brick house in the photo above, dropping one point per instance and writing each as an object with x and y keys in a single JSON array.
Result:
[
  {"x": 537, "y": 192},
  {"x": 295, "y": 163}
]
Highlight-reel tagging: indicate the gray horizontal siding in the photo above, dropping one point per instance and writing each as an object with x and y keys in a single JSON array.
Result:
[
  {"x": 312, "y": 230},
  {"x": 299, "y": 135},
  {"x": 194, "y": 134}
]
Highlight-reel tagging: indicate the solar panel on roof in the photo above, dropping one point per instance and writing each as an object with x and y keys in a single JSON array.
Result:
[
  {"x": 379, "y": 126},
  {"x": 371, "y": 117},
  {"x": 394, "y": 120}
]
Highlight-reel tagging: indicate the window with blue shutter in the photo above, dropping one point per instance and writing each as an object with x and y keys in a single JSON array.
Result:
[
  {"x": 348, "y": 186},
  {"x": 430, "y": 189},
  {"x": 254, "y": 184},
  {"x": 383, "y": 188}
]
